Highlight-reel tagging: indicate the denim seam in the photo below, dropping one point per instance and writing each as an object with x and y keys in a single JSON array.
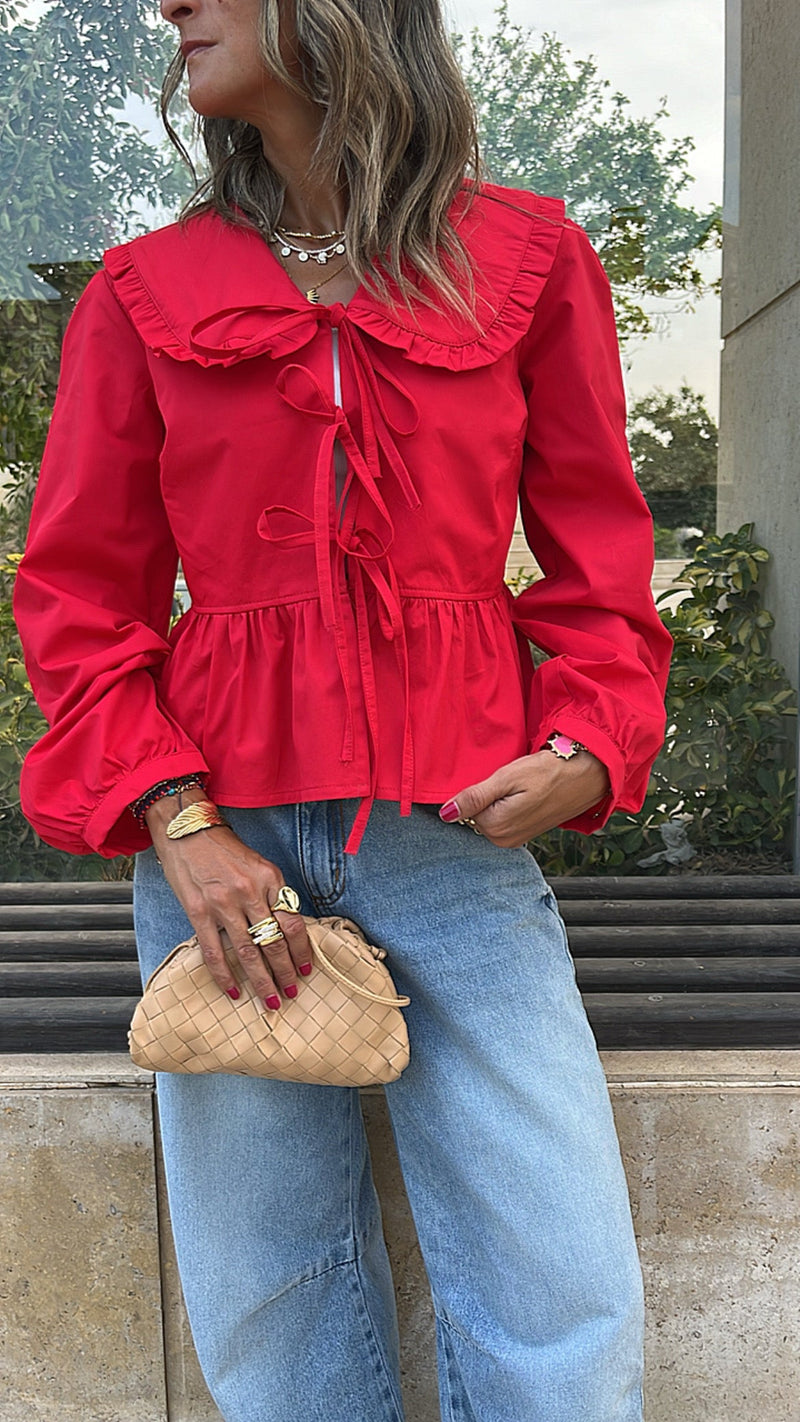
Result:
[
  {"x": 336, "y": 865},
  {"x": 374, "y": 1336},
  {"x": 551, "y": 904},
  {"x": 308, "y": 1277},
  {"x": 448, "y": 1370},
  {"x": 338, "y": 870},
  {"x": 459, "y": 1332}
]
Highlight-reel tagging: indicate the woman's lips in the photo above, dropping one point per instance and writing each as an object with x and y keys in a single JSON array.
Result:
[{"x": 191, "y": 47}]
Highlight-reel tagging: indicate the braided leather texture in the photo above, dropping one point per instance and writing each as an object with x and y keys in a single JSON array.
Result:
[{"x": 328, "y": 1034}]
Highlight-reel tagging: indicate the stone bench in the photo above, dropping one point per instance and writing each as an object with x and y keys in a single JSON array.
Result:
[{"x": 684, "y": 961}]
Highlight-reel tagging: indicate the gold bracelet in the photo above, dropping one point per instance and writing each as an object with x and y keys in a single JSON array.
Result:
[{"x": 199, "y": 816}]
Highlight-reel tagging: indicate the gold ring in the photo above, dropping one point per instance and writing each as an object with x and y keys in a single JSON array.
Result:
[
  {"x": 266, "y": 931},
  {"x": 471, "y": 824},
  {"x": 288, "y": 900}
]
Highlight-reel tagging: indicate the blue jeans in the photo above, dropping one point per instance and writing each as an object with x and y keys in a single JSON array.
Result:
[{"x": 505, "y": 1137}]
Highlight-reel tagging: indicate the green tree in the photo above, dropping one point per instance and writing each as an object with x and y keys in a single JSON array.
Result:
[
  {"x": 551, "y": 123},
  {"x": 673, "y": 440},
  {"x": 75, "y": 173},
  {"x": 75, "y": 176}
]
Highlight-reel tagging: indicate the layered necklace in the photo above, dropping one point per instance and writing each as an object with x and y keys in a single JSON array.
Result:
[{"x": 332, "y": 245}]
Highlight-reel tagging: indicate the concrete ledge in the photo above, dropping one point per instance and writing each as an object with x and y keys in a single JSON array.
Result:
[
  {"x": 81, "y": 1331},
  {"x": 710, "y": 1143},
  {"x": 59, "y": 1071},
  {"x": 94, "y": 1324},
  {"x": 702, "y": 1070}
]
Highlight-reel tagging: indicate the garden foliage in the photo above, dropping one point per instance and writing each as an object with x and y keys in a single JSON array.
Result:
[
  {"x": 726, "y": 772},
  {"x": 674, "y": 442},
  {"x": 77, "y": 173}
]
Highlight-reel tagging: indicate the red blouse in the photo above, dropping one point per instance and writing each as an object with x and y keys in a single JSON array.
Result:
[{"x": 361, "y": 645}]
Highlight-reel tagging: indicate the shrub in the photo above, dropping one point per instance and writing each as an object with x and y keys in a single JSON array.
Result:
[{"x": 725, "y": 774}]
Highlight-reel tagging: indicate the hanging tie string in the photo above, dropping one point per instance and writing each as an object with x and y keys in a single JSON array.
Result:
[{"x": 363, "y": 536}]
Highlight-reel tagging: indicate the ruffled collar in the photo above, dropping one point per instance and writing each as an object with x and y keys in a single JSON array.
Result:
[{"x": 210, "y": 292}]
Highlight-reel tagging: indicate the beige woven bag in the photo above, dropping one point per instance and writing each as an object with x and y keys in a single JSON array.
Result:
[{"x": 344, "y": 1028}]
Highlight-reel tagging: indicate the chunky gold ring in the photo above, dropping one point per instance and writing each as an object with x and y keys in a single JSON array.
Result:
[
  {"x": 266, "y": 931},
  {"x": 287, "y": 901},
  {"x": 472, "y": 825}
]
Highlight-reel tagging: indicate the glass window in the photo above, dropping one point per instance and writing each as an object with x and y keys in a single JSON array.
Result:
[{"x": 574, "y": 108}]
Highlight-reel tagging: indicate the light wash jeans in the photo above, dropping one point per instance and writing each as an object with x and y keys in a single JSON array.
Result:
[{"x": 505, "y": 1136}]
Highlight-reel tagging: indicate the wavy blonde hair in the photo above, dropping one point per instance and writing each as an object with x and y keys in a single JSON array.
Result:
[{"x": 398, "y": 128}]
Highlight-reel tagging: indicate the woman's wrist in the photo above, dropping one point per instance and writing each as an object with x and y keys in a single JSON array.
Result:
[
  {"x": 564, "y": 748},
  {"x": 167, "y": 807},
  {"x": 165, "y": 790}
]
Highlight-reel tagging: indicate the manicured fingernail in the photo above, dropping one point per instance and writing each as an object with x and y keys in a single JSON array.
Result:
[
  {"x": 306, "y": 968},
  {"x": 291, "y": 990},
  {"x": 234, "y": 993},
  {"x": 450, "y": 812},
  {"x": 273, "y": 1003}
]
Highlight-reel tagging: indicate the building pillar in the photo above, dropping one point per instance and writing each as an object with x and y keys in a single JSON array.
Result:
[{"x": 759, "y": 476}]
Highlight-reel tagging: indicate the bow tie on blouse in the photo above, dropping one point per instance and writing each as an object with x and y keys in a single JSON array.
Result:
[{"x": 353, "y": 536}]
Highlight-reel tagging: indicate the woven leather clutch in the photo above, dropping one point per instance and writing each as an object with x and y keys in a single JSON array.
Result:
[{"x": 344, "y": 1028}]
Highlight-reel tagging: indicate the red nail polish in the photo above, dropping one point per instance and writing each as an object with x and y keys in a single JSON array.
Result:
[
  {"x": 234, "y": 993},
  {"x": 306, "y": 968},
  {"x": 273, "y": 1003},
  {"x": 450, "y": 812},
  {"x": 291, "y": 990}
]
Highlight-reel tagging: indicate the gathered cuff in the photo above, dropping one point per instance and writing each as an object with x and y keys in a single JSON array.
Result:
[
  {"x": 111, "y": 828},
  {"x": 600, "y": 744}
]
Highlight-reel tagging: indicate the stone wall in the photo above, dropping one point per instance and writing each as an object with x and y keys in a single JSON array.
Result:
[{"x": 93, "y": 1326}]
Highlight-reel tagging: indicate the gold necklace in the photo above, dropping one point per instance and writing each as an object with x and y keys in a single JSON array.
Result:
[
  {"x": 315, "y": 236},
  {"x": 312, "y": 293},
  {"x": 288, "y": 247}
]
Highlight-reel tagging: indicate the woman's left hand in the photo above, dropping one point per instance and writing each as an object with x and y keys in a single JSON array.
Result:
[{"x": 530, "y": 796}]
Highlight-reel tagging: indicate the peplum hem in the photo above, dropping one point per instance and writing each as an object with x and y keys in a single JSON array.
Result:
[{"x": 280, "y": 733}]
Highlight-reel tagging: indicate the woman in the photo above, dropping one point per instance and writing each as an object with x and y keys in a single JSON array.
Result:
[{"x": 325, "y": 391}]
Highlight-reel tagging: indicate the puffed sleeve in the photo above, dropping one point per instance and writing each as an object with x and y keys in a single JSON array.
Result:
[
  {"x": 591, "y": 533},
  {"x": 93, "y": 594}
]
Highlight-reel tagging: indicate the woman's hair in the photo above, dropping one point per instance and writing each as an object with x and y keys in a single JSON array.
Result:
[{"x": 398, "y": 126}]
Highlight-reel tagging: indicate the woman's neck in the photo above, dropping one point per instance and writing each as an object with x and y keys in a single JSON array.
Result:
[{"x": 289, "y": 141}]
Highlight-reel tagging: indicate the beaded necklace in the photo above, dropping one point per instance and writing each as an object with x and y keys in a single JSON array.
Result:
[{"x": 335, "y": 247}]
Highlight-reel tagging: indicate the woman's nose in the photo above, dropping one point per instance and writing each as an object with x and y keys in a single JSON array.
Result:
[{"x": 177, "y": 10}]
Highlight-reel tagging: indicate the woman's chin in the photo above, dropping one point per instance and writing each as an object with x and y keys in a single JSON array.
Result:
[
  {"x": 205, "y": 106},
  {"x": 210, "y": 103}
]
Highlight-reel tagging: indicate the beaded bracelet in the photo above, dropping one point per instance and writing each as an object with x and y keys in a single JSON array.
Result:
[{"x": 157, "y": 792}]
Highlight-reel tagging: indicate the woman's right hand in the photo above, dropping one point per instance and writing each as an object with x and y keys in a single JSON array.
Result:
[{"x": 223, "y": 884}]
